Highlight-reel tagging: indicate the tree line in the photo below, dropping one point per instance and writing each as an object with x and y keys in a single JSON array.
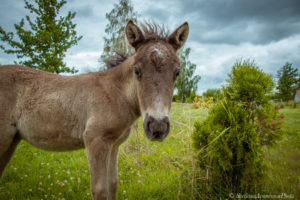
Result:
[{"x": 288, "y": 82}]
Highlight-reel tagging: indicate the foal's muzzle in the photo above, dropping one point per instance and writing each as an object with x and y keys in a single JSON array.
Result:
[{"x": 156, "y": 129}]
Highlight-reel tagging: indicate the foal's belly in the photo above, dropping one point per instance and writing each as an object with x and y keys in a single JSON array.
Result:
[
  {"x": 56, "y": 141},
  {"x": 50, "y": 122},
  {"x": 51, "y": 135}
]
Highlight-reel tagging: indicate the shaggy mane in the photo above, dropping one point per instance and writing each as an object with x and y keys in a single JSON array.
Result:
[
  {"x": 151, "y": 31},
  {"x": 114, "y": 60}
]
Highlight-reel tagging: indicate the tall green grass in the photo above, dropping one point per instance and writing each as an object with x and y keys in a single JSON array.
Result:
[
  {"x": 283, "y": 160},
  {"x": 147, "y": 170}
]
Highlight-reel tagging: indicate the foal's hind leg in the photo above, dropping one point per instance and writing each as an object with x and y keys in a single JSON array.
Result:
[{"x": 8, "y": 143}]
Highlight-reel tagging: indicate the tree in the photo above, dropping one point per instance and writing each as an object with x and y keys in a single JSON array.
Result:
[
  {"x": 115, "y": 43},
  {"x": 214, "y": 93},
  {"x": 287, "y": 82},
  {"x": 50, "y": 36},
  {"x": 230, "y": 141},
  {"x": 186, "y": 83}
]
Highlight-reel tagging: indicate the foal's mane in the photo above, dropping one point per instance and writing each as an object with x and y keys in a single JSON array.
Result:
[{"x": 152, "y": 32}]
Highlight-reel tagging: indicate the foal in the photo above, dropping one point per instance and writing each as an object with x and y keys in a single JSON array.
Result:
[{"x": 94, "y": 110}]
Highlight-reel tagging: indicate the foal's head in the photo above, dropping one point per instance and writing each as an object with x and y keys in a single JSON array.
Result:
[{"x": 156, "y": 68}]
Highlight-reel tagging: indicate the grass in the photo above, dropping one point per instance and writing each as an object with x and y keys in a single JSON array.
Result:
[
  {"x": 283, "y": 160},
  {"x": 147, "y": 170}
]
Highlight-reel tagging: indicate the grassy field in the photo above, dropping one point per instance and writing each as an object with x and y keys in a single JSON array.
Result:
[{"x": 147, "y": 170}]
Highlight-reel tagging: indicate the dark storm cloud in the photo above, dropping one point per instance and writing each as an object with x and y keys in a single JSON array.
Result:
[{"x": 236, "y": 21}]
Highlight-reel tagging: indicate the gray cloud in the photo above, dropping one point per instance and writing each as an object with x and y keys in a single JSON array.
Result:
[{"x": 234, "y": 21}]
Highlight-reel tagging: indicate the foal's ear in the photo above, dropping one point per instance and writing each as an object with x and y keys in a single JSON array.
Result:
[
  {"x": 133, "y": 34},
  {"x": 179, "y": 36}
]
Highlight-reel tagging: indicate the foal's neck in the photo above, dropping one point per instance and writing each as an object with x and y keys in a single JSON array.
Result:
[{"x": 124, "y": 79}]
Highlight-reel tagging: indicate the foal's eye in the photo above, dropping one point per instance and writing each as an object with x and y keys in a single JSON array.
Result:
[{"x": 137, "y": 72}]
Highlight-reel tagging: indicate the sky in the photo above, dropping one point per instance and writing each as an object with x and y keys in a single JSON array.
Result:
[{"x": 221, "y": 32}]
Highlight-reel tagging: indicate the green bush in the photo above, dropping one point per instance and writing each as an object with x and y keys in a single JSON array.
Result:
[
  {"x": 230, "y": 141},
  {"x": 214, "y": 93},
  {"x": 229, "y": 147}
]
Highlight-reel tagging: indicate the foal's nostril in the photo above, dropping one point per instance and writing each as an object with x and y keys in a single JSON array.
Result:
[
  {"x": 148, "y": 125},
  {"x": 157, "y": 135},
  {"x": 149, "y": 120}
]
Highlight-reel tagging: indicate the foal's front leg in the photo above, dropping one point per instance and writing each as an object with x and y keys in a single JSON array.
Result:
[
  {"x": 113, "y": 164},
  {"x": 99, "y": 152},
  {"x": 113, "y": 172}
]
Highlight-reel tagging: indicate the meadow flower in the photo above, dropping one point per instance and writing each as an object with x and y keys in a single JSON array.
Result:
[
  {"x": 30, "y": 190},
  {"x": 124, "y": 192},
  {"x": 78, "y": 180},
  {"x": 49, "y": 176}
]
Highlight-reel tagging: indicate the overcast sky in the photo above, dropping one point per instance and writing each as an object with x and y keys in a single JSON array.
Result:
[{"x": 221, "y": 32}]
